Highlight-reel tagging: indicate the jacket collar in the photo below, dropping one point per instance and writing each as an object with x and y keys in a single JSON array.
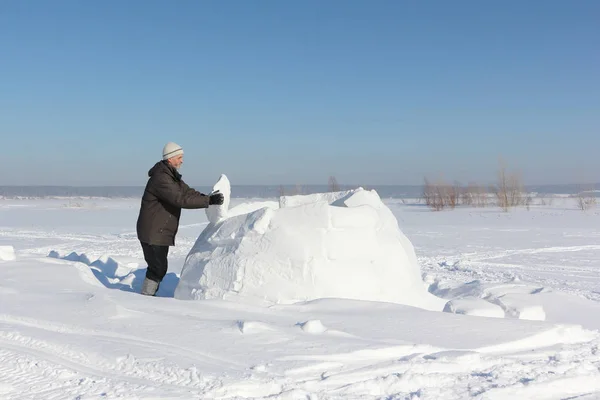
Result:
[
  {"x": 167, "y": 168},
  {"x": 174, "y": 173}
]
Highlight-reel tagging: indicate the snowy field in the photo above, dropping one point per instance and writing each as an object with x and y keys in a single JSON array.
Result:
[{"x": 521, "y": 320}]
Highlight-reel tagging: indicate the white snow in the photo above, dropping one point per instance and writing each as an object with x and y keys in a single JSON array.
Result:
[
  {"x": 510, "y": 300},
  {"x": 73, "y": 324},
  {"x": 476, "y": 307},
  {"x": 334, "y": 245},
  {"x": 214, "y": 212},
  {"x": 313, "y": 326},
  {"x": 7, "y": 253}
]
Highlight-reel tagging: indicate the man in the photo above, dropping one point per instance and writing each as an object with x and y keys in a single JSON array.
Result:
[{"x": 158, "y": 221}]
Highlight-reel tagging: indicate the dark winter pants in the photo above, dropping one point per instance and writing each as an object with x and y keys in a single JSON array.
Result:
[{"x": 156, "y": 258}]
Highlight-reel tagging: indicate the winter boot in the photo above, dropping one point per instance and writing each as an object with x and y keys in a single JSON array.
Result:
[{"x": 149, "y": 287}]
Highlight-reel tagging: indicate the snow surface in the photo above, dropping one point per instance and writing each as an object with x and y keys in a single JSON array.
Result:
[
  {"x": 73, "y": 325},
  {"x": 332, "y": 245}
]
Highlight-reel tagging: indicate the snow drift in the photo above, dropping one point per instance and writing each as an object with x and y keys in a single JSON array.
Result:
[{"x": 331, "y": 245}]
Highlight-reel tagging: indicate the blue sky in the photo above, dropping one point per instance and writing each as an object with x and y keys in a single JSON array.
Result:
[{"x": 270, "y": 92}]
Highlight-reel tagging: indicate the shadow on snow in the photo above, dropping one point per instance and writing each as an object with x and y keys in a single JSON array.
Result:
[{"x": 113, "y": 275}]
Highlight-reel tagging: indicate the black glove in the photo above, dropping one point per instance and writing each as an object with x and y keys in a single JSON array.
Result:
[{"x": 216, "y": 198}]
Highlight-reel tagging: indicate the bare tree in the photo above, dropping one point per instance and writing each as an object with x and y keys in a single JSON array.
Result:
[
  {"x": 433, "y": 196},
  {"x": 439, "y": 195},
  {"x": 528, "y": 200},
  {"x": 509, "y": 190},
  {"x": 586, "y": 197},
  {"x": 474, "y": 195},
  {"x": 453, "y": 195},
  {"x": 428, "y": 193},
  {"x": 333, "y": 184},
  {"x": 439, "y": 199},
  {"x": 502, "y": 189},
  {"x": 467, "y": 197}
]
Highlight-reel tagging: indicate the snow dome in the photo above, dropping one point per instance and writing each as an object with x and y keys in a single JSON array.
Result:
[{"x": 331, "y": 245}]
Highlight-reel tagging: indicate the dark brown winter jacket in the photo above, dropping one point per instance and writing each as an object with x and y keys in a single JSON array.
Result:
[{"x": 164, "y": 197}]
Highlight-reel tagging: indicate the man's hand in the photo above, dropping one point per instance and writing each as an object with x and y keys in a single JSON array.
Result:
[{"x": 216, "y": 198}]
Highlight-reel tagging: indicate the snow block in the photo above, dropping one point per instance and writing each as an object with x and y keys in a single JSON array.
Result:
[
  {"x": 518, "y": 301},
  {"x": 313, "y": 326},
  {"x": 506, "y": 300},
  {"x": 7, "y": 253},
  {"x": 522, "y": 306},
  {"x": 334, "y": 245},
  {"x": 475, "y": 307},
  {"x": 214, "y": 212}
]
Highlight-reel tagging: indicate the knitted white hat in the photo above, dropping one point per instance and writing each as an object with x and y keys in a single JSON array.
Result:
[{"x": 171, "y": 150}]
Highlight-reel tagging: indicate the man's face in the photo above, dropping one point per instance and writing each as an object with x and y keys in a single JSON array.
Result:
[{"x": 176, "y": 161}]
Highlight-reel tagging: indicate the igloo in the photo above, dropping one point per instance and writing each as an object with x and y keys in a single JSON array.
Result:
[{"x": 344, "y": 244}]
